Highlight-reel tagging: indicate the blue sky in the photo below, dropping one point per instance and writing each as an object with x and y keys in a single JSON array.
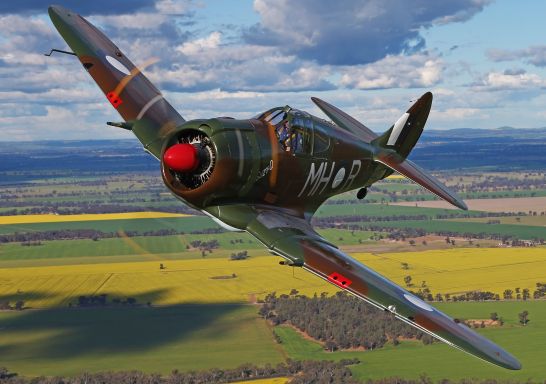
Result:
[{"x": 485, "y": 61}]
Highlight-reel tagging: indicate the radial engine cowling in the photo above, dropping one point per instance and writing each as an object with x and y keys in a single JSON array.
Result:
[
  {"x": 189, "y": 160},
  {"x": 212, "y": 162}
]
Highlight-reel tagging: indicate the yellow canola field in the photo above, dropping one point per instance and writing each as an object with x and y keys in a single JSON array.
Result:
[
  {"x": 197, "y": 281},
  {"x": 464, "y": 269},
  {"x": 395, "y": 176},
  {"x": 52, "y": 218},
  {"x": 276, "y": 380}
]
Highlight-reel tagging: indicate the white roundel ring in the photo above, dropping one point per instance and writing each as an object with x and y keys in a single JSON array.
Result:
[
  {"x": 340, "y": 175},
  {"x": 418, "y": 302},
  {"x": 116, "y": 64}
]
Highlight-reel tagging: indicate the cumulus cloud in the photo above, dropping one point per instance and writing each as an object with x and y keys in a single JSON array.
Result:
[
  {"x": 202, "y": 45},
  {"x": 208, "y": 63},
  {"x": 101, "y": 7},
  {"x": 419, "y": 70},
  {"x": 360, "y": 32},
  {"x": 535, "y": 55},
  {"x": 509, "y": 80},
  {"x": 59, "y": 122},
  {"x": 173, "y": 7}
]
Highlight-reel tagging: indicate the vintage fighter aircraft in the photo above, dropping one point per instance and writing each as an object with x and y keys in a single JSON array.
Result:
[{"x": 267, "y": 175}]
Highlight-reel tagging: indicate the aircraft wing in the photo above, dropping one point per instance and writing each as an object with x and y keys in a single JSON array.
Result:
[{"x": 294, "y": 239}]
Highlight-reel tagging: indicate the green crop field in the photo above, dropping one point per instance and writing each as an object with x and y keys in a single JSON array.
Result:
[
  {"x": 467, "y": 227},
  {"x": 185, "y": 337},
  {"x": 411, "y": 359},
  {"x": 142, "y": 248},
  {"x": 384, "y": 210},
  {"x": 517, "y": 220}
]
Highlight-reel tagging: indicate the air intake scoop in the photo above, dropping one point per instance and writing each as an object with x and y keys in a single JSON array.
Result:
[{"x": 181, "y": 158}]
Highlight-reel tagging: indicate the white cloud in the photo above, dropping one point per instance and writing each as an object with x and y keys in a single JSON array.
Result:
[
  {"x": 458, "y": 114},
  {"x": 139, "y": 20},
  {"x": 173, "y": 7},
  {"x": 497, "y": 81},
  {"x": 535, "y": 55},
  {"x": 218, "y": 94},
  {"x": 16, "y": 24},
  {"x": 395, "y": 72},
  {"x": 57, "y": 123},
  {"x": 197, "y": 46}
]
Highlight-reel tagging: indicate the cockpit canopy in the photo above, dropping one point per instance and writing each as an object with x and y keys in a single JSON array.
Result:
[{"x": 297, "y": 131}]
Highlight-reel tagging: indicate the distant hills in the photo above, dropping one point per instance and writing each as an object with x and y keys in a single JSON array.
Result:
[
  {"x": 520, "y": 133},
  {"x": 499, "y": 149}
]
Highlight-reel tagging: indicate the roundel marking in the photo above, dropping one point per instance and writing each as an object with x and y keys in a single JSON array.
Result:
[
  {"x": 418, "y": 302},
  {"x": 340, "y": 175},
  {"x": 116, "y": 64}
]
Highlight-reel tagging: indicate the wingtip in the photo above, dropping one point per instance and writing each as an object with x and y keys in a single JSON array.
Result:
[
  {"x": 462, "y": 205},
  {"x": 316, "y": 100}
]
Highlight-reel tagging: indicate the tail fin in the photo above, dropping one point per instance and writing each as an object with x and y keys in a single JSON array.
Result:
[
  {"x": 393, "y": 146},
  {"x": 403, "y": 135}
]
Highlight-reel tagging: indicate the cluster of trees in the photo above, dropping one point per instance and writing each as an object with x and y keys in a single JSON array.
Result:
[
  {"x": 205, "y": 246},
  {"x": 518, "y": 294},
  {"x": 18, "y": 306},
  {"x": 81, "y": 207},
  {"x": 540, "y": 291},
  {"x": 31, "y": 243},
  {"x": 367, "y": 219},
  {"x": 35, "y": 238},
  {"x": 353, "y": 223},
  {"x": 504, "y": 183},
  {"x": 301, "y": 372},
  {"x": 101, "y": 301},
  {"x": 340, "y": 321},
  {"x": 238, "y": 241},
  {"x": 243, "y": 255}
]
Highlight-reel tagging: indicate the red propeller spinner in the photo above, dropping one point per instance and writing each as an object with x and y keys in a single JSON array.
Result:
[{"x": 181, "y": 158}]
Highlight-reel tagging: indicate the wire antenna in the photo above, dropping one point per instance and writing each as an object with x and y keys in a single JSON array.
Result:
[{"x": 60, "y": 51}]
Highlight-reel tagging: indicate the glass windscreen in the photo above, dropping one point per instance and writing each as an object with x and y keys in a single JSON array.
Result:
[{"x": 292, "y": 128}]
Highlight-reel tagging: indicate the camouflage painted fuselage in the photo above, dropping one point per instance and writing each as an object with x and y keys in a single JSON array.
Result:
[{"x": 252, "y": 167}]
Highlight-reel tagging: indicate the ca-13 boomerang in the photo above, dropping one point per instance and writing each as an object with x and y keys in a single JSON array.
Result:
[{"x": 267, "y": 175}]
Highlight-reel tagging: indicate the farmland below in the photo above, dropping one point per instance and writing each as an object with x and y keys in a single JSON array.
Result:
[{"x": 101, "y": 269}]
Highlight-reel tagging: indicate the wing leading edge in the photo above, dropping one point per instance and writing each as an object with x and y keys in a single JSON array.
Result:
[{"x": 294, "y": 239}]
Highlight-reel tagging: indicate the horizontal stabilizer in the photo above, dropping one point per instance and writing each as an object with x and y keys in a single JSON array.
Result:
[
  {"x": 413, "y": 172},
  {"x": 343, "y": 120}
]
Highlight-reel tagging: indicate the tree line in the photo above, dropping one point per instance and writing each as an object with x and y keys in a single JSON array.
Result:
[
  {"x": 35, "y": 238},
  {"x": 363, "y": 223},
  {"x": 425, "y": 293},
  {"x": 300, "y": 372}
]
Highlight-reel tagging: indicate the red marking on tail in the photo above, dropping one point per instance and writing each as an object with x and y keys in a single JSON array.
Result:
[
  {"x": 339, "y": 279},
  {"x": 114, "y": 99}
]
